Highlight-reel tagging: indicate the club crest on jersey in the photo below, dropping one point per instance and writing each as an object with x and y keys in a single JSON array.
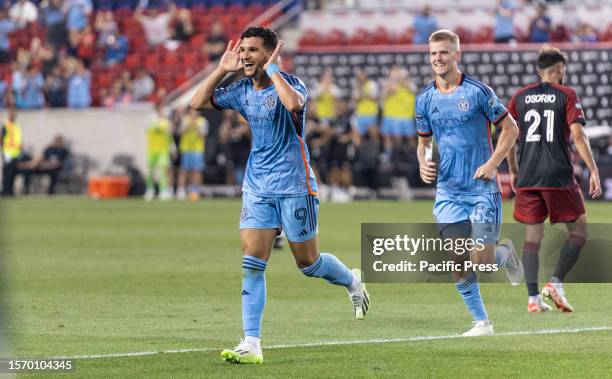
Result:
[
  {"x": 463, "y": 105},
  {"x": 492, "y": 102},
  {"x": 270, "y": 102}
]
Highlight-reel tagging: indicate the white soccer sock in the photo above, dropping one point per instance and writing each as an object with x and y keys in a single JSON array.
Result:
[
  {"x": 253, "y": 342},
  {"x": 534, "y": 299},
  {"x": 355, "y": 285}
]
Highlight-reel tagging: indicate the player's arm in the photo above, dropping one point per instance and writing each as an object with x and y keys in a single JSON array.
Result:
[
  {"x": 584, "y": 150},
  {"x": 230, "y": 62},
  {"x": 291, "y": 99},
  {"x": 509, "y": 132},
  {"x": 427, "y": 168},
  {"x": 513, "y": 166}
]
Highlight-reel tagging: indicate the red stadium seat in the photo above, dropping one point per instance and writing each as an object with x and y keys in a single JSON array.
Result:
[
  {"x": 133, "y": 61},
  {"x": 465, "y": 35},
  {"x": 360, "y": 37},
  {"x": 335, "y": 37},
  {"x": 484, "y": 34},
  {"x": 405, "y": 37}
]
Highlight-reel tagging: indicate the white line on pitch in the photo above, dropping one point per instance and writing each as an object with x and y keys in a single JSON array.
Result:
[{"x": 337, "y": 343}]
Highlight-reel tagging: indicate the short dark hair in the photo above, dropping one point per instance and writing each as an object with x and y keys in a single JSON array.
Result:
[
  {"x": 269, "y": 37},
  {"x": 550, "y": 56}
]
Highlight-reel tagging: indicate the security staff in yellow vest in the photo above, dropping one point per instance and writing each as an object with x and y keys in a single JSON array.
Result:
[{"x": 11, "y": 142}]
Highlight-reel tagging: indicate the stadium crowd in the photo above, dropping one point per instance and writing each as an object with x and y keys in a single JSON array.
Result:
[{"x": 82, "y": 53}]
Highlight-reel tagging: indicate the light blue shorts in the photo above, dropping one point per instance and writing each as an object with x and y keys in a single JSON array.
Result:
[
  {"x": 297, "y": 216},
  {"x": 484, "y": 212},
  {"x": 191, "y": 161},
  {"x": 398, "y": 127},
  {"x": 364, "y": 123}
]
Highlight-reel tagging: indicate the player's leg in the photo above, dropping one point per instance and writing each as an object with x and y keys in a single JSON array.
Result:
[
  {"x": 195, "y": 176},
  {"x": 181, "y": 194},
  {"x": 530, "y": 209},
  {"x": 566, "y": 206},
  {"x": 453, "y": 222},
  {"x": 259, "y": 224},
  {"x": 150, "y": 178},
  {"x": 162, "y": 173},
  {"x": 299, "y": 216},
  {"x": 485, "y": 216}
]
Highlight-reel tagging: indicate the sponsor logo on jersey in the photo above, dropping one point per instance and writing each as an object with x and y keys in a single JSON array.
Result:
[
  {"x": 463, "y": 105},
  {"x": 450, "y": 121},
  {"x": 542, "y": 98}
]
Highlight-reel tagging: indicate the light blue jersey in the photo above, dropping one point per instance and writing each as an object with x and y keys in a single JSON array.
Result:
[
  {"x": 460, "y": 123},
  {"x": 278, "y": 165}
]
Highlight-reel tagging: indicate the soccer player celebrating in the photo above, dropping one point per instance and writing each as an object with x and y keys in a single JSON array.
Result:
[
  {"x": 548, "y": 113},
  {"x": 279, "y": 188},
  {"x": 456, "y": 110}
]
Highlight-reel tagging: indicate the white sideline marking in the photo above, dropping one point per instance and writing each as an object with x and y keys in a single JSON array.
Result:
[{"x": 338, "y": 343}]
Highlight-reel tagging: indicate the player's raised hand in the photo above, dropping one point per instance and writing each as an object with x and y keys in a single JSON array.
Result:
[
  {"x": 230, "y": 61},
  {"x": 485, "y": 172},
  {"x": 595, "y": 186},
  {"x": 428, "y": 172},
  {"x": 274, "y": 57}
]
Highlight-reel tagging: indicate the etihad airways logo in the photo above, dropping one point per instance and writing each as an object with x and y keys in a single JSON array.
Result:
[{"x": 450, "y": 121}]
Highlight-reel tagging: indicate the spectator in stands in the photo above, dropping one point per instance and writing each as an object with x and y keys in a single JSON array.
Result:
[
  {"x": 216, "y": 43},
  {"x": 156, "y": 25},
  {"x": 365, "y": 97},
  {"x": 504, "y": 21},
  {"x": 11, "y": 148},
  {"x": 6, "y": 26},
  {"x": 79, "y": 86},
  {"x": 585, "y": 33},
  {"x": 541, "y": 26},
  {"x": 182, "y": 28},
  {"x": 343, "y": 142},
  {"x": 77, "y": 15},
  {"x": 142, "y": 86},
  {"x": 56, "y": 88},
  {"x": 54, "y": 19},
  {"x": 51, "y": 164},
  {"x": 29, "y": 90},
  {"x": 105, "y": 26},
  {"x": 194, "y": 130},
  {"x": 116, "y": 49},
  {"x": 86, "y": 50},
  {"x": 398, "y": 110},
  {"x": 235, "y": 136},
  {"x": 4, "y": 92},
  {"x": 42, "y": 55},
  {"x": 424, "y": 24},
  {"x": 325, "y": 96},
  {"x": 23, "y": 12},
  {"x": 119, "y": 94}
]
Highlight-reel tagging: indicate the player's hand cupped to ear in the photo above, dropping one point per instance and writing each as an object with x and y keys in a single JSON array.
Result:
[
  {"x": 274, "y": 58},
  {"x": 428, "y": 172},
  {"x": 230, "y": 61}
]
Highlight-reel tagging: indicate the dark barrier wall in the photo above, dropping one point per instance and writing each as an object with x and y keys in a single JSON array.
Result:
[{"x": 589, "y": 71}]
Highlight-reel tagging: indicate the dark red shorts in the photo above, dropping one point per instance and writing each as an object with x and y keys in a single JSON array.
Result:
[{"x": 562, "y": 205}]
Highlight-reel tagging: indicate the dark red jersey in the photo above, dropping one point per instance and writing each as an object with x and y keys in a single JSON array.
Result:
[{"x": 544, "y": 113}]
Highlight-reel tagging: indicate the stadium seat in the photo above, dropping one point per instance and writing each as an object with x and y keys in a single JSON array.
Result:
[{"x": 484, "y": 34}]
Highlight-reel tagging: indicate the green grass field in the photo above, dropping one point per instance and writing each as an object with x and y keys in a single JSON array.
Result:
[{"x": 88, "y": 277}]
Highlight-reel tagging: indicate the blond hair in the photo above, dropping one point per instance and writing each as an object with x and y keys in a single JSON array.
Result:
[{"x": 445, "y": 35}]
